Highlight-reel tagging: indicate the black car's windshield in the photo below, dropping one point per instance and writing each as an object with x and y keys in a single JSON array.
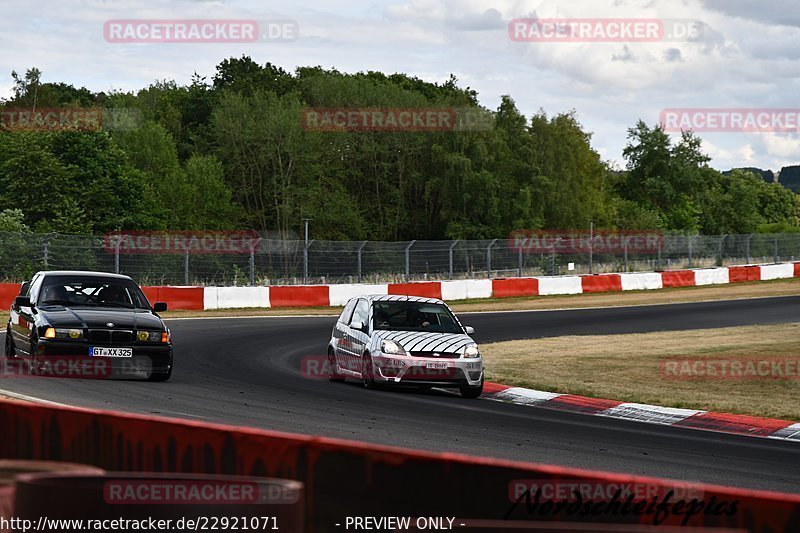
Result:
[
  {"x": 93, "y": 292},
  {"x": 414, "y": 316}
]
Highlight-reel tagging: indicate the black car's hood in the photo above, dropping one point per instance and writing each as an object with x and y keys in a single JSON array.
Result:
[{"x": 90, "y": 317}]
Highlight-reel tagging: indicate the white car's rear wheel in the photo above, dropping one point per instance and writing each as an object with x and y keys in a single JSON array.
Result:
[{"x": 333, "y": 372}]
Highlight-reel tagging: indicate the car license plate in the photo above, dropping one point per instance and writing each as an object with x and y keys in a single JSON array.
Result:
[
  {"x": 438, "y": 366},
  {"x": 110, "y": 352}
]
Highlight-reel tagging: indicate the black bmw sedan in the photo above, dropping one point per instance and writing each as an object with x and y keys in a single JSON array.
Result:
[{"x": 95, "y": 320}]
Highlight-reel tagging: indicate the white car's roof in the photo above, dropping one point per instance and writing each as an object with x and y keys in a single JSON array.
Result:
[{"x": 400, "y": 298}]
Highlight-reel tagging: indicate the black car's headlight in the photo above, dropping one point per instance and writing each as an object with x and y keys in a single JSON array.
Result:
[
  {"x": 63, "y": 333},
  {"x": 152, "y": 336}
]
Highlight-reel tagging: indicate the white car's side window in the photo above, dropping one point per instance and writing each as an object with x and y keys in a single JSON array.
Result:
[{"x": 361, "y": 313}]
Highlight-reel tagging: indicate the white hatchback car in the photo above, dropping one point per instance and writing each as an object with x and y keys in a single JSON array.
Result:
[{"x": 404, "y": 340}]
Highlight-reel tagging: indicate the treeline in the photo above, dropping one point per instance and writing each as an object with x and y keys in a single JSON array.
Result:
[{"x": 230, "y": 152}]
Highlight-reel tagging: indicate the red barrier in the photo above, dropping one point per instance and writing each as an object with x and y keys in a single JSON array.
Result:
[
  {"x": 190, "y": 298},
  {"x": 744, "y": 273},
  {"x": 8, "y": 291},
  {"x": 300, "y": 296},
  {"x": 602, "y": 283},
  {"x": 353, "y": 479},
  {"x": 431, "y": 289},
  {"x": 511, "y": 287},
  {"x": 678, "y": 278},
  {"x": 797, "y": 270},
  {"x": 730, "y": 423}
]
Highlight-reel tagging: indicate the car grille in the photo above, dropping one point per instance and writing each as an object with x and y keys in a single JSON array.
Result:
[
  {"x": 441, "y": 355},
  {"x": 110, "y": 336}
]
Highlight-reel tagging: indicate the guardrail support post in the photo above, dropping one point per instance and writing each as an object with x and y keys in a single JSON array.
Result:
[
  {"x": 186, "y": 267},
  {"x": 360, "y": 248},
  {"x": 116, "y": 256},
  {"x": 408, "y": 258},
  {"x": 450, "y": 256},
  {"x": 747, "y": 249},
  {"x": 626, "y": 256},
  {"x": 489, "y": 259}
]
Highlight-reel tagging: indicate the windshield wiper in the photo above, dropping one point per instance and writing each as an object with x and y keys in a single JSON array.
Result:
[
  {"x": 57, "y": 302},
  {"x": 115, "y": 304}
]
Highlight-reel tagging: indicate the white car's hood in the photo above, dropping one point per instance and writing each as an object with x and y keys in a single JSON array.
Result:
[{"x": 422, "y": 341}]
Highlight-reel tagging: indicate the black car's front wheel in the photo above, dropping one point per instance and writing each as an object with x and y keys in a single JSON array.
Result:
[
  {"x": 161, "y": 376},
  {"x": 10, "y": 351}
]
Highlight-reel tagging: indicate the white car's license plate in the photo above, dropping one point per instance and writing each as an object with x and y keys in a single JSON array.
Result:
[
  {"x": 438, "y": 366},
  {"x": 110, "y": 352}
]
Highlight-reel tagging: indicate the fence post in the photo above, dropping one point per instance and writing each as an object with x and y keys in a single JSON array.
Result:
[
  {"x": 46, "y": 250},
  {"x": 660, "y": 245},
  {"x": 553, "y": 260},
  {"x": 721, "y": 242},
  {"x": 591, "y": 246},
  {"x": 408, "y": 261},
  {"x": 186, "y": 267},
  {"x": 626, "y": 256},
  {"x": 450, "y": 255},
  {"x": 252, "y": 266},
  {"x": 776, "y": 250},
  {"x": 747, "y": 250},
  {"x": 489, "y": 259},
  {"x": 360, "y": 248},
  {"x": 691, "y": 238},
  {"x": 519, "y": 258},
  {"x": 116, "y": 256},
  {"x": 305, "y": 259}
]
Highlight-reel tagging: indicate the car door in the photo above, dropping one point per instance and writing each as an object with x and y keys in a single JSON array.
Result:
[
  {"x": 340, "y": 334},
  {"x": 23, "y": 318},
  {"x": 359, "y": 338}
]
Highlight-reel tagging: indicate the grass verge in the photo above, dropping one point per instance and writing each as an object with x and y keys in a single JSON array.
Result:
[{"x": 626, "y": 368}]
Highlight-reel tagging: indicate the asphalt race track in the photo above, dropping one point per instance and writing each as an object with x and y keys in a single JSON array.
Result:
[{"x": 247, "y": 372}]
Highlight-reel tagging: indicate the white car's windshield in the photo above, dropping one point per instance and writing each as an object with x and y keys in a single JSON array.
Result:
[{"x": 414, "y": 316}]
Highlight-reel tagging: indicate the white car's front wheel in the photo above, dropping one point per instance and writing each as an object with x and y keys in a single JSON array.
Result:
[
  {"x": 468, "y": 391},
  {"x": 367, "y": 371}
]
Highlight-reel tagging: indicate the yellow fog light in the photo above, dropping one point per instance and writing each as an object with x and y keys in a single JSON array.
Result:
[
  {"x": 74, "y": 333},
  {"x": 143, "y": 335}
]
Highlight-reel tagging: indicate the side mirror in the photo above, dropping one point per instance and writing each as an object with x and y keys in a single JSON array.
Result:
[
  {"x": 22, "y": 301},
  {"x": 357, "y": 325},
  {"x": 24, "y": 288},
  {"x": 469, "y": 330},
  {"x": 160, "y": 307}
]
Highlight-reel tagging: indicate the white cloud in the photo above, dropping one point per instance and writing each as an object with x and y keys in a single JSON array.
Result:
[{"x": 746, "y": 55}]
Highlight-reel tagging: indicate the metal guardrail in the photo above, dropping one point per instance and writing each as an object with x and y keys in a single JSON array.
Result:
[{"x": 272, "y": 261}]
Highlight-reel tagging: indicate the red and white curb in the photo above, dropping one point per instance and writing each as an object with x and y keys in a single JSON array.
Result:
[
  {"x": 205, "y": 298},
  {"x": 652, "y": 414}
]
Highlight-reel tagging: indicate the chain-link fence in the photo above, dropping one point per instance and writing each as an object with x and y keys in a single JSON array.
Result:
[{"x": 272, "y": 262}]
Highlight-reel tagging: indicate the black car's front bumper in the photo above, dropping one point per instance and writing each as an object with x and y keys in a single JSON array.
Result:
[{"x": 72, "y": 357}]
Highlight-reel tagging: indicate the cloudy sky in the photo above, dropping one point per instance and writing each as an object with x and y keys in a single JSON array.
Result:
[{"x": 744, "y": 56}]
